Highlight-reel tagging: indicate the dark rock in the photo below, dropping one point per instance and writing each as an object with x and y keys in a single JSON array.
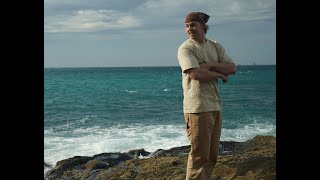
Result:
[
  {"x": 82, "y": 166},
  {"x": 156, "y": 153},
  {"x": 229, "y": 146},
  {"x": 46, "y": 165},
  {"x": 137, "y": 152},
  {"x": 176, "y": 151}
]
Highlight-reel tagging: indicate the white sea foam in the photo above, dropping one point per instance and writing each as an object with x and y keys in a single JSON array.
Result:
[
  {"x": 95, "y": 140},
  {"x": 90, "y": 141},
  {"x": 129, "y": 91},
  {"x": 247, "y": 132}
]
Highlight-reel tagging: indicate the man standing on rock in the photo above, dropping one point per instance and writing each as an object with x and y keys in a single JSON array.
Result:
[{"x": 203, "y": 62}]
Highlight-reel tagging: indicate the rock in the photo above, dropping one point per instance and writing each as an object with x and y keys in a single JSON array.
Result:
[
  {"x": 176, "y": 151},
  {"x": 82, "y": 166},
  {"x": 46, "y": 165},
  {"x": 253, "y": 159},
  {"x": 136, "y": 153}
]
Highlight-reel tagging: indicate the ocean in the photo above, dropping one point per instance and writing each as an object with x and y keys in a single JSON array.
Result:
[{"x": 88, "y": 111}]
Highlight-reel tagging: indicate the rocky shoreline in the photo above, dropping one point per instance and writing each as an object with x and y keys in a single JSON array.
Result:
[{"x": 252, "y": 159}]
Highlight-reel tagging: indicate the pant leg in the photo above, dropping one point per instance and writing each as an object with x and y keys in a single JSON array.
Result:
[
  {"x": 199, "y": 130},
  {"x": 215, "y": 142}
]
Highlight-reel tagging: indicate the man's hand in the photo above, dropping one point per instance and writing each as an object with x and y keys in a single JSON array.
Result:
[{"x": 224, "y": 78}]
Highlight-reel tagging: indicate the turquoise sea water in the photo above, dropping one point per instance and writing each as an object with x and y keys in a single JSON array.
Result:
[{"x": 94, "y": 110}]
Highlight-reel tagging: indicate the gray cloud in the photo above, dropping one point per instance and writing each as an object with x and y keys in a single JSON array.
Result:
[
  {"x": 104, "y": 15},
  {"x": 90, "y": 20},
  {"x": 69, "y": 5}
]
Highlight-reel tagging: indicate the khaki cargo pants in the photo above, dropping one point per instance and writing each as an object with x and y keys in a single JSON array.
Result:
[{"x": 203, "y": 131}]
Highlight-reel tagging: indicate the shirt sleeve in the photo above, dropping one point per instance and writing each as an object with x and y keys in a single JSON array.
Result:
[
  {"x": 223, "y": 56},
  {"x": 186, "y": 58}
]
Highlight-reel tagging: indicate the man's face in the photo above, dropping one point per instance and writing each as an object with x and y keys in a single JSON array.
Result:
[{"x": 195, "y": 30}]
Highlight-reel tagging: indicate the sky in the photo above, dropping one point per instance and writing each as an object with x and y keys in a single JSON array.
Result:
[{"x": 135, "y": 33}]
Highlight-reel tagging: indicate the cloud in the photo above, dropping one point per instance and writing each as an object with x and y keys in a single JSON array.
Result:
[
  {"x": 99, "y": 15},
  {"x": 250, "y": 10},
  {"x": 53, "y": 7},
  {"x": 90, "y": 20}
]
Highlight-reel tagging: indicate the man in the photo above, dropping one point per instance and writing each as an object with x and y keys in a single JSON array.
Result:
[{"x": 203, "y": 62}]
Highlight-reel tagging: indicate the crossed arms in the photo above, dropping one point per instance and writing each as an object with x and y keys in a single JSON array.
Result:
[{"x": 211, "y": 71}]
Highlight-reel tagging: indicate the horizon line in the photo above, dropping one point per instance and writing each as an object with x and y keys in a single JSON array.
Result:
[{"x": 144, "y": 66}]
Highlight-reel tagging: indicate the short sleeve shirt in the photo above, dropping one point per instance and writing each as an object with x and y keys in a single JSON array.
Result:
[{"x": 200, "y": 96}]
